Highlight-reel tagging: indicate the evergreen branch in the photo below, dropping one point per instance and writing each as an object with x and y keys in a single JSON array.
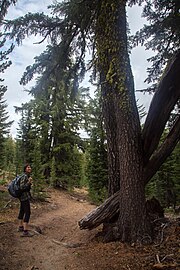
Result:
[
  {"x": 40, "y": 42},
  {"x": 151, "y": 89},
  {"x": 4, "y": 5},
  {"x": 159, "y": 63},
  {"x": 32, "y": 24}
]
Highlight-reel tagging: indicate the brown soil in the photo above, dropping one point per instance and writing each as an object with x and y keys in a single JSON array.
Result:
[{"x": 62, "y": 245}]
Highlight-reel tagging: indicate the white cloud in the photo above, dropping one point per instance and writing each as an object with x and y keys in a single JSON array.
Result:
[
  {"x": 139, "y": 66},
  {"x": 24, "y": 6},
  {"x": 15, "y": 95},
  {"x": 21, "y": 57}
]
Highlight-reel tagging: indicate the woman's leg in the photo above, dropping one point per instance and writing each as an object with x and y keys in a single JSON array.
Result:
[
  {"x": 27, "y": 213},
  {"x": 20, "y": 216}
]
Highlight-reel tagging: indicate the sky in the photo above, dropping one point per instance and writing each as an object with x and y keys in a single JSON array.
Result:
[{"x": 23, "y": 56}]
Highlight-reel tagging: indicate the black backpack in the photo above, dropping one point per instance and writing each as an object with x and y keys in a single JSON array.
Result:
[{"x": 14, "y": 187}]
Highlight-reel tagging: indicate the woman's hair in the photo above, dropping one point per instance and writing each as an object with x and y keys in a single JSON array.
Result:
[{"x": 26, "y": 167}]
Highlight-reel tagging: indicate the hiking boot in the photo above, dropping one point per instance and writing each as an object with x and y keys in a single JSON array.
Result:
[
  {"x": 20, "y": 229},
  {"x": 26, "y": 234}
]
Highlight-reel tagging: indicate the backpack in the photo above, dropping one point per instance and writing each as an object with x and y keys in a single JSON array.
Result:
[{"x": 14, "y": 187}]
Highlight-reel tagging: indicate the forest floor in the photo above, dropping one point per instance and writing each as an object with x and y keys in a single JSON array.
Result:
[{"x": 62, "y": 245}]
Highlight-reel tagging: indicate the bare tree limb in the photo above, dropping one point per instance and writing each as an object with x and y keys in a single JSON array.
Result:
[
  {"x": 161, "y": 106},
  {"x": 163, "y": 152}
]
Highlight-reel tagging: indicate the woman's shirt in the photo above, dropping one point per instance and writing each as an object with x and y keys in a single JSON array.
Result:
[{"x": 25, "y": 186}]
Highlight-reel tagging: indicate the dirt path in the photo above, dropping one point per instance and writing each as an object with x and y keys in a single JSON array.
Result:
[
  {"x": 62, "y": 245},
  {"x": 56, "y": 247}
]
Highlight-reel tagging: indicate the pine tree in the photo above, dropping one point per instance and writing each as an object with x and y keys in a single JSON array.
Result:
[
  {"x": 97, "y": 173},
  {"x": 26, "y": 132},
  {"x": 19, "y": 157},
  {"x": 53, "y": 173},
  {"x": 9, "y": 155},
  {"x": 37, "y": 172},
  {"x": 97, "y": 168},
  {"x": 4, "y": 64},
  {"x": 165, "y": 184},
  {"x": 176, "y": 172},
  {"x": 4, "y": 125}
]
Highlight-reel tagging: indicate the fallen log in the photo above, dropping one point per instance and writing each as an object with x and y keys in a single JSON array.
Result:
[
  {"x": 101, "y": 214},
  {"x": 109, "y": 210}
]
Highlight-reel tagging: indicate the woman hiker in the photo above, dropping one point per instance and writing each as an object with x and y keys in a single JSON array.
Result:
[{"x": 25, "y": 209}]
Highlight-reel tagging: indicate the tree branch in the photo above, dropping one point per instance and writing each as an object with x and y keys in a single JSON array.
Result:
[
  {"x": 161, "y": 106},
  {"x": 163, "y": 152}
]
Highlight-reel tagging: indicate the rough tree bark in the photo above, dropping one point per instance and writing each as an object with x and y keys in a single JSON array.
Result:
[{"x": 112, "y": 147}]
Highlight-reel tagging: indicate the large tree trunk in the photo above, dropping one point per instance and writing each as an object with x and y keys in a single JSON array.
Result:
[
  {"x": 110, "y": 208},
  {"x": 120, "y": 112},
  {"x": 112, "y": 146},
  {"x": 133, "y": 160}
]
